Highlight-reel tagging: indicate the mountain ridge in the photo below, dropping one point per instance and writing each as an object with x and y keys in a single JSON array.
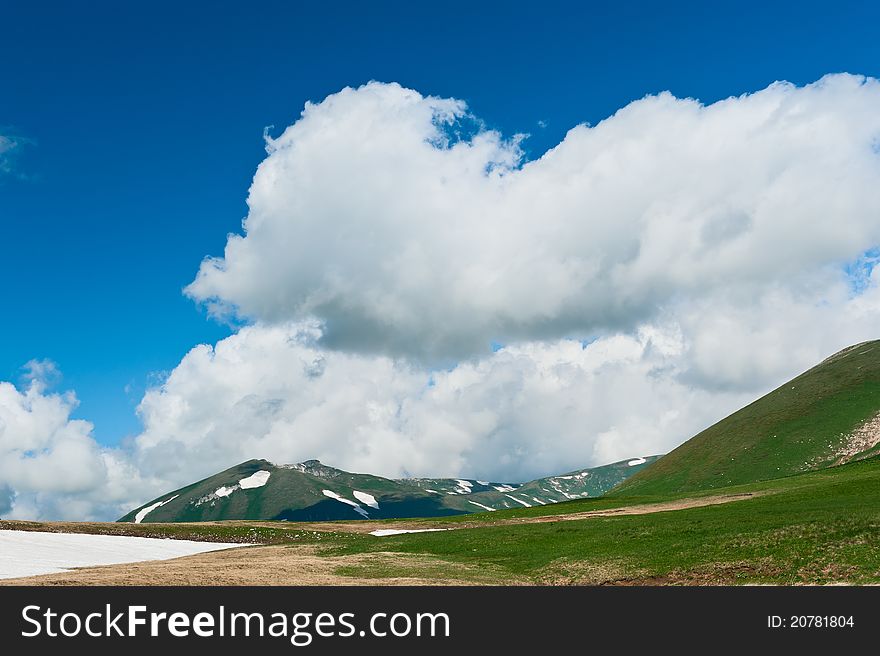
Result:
[{"x": 313, "y": 491}]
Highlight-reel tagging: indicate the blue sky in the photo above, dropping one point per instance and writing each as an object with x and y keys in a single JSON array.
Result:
[{"x": 142, "y": 125}]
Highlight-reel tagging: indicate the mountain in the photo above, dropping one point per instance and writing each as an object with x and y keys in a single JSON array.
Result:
[
  {"x": 827, "y": 416},
  {"x": 312, "y": 491}
]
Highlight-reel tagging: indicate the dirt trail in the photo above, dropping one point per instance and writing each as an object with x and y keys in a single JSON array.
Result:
[{"x": 643, "y": 509}]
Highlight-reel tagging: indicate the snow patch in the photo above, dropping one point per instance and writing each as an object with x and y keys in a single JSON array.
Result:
[
  {"x": 482, "y": 506},
  {"x": 223, "y": 491},
  {"x": 257, "y": 479},
  {"x": 527, "y": 505},
  {"x": 555, "y": 485},
  {"x": 342, "y": 499},
  {"x": 30, "y": 553},
  {"x": 146, "y": 511},
  {"x": 382, "y": 532},
  {"x": 463, "y": 487},
  {"x": 368, "y": 499},
  {"x": 637, "y": 461}
]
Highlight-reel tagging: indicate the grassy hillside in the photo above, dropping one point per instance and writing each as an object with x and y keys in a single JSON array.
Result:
[
  {"x": 290, "y": 493},
  {"x": 312, "y": 491},
  {"x": 820, "y": 419},
  {"x": 818, "y": 527}
]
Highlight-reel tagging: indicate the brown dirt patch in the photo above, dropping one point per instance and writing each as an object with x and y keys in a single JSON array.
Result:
[{"x": 272, "y": 565}]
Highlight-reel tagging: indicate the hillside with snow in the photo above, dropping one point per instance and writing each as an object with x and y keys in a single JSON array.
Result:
[{"x": 312, "y": 491}]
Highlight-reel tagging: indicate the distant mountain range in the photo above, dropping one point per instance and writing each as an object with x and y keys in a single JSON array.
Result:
[{"x": 312, "y": 491}]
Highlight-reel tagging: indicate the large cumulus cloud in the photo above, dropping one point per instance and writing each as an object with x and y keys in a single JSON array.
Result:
[{"x": 371, "y": 214}]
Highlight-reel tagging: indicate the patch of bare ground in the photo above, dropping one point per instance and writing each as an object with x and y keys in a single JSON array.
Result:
[
  {"x": 271, "y": 565},
  {"x": 859, "y": 442}
]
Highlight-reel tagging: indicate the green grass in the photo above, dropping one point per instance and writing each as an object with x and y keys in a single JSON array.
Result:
[
  {"x": 795, "y": 428},
  {"x": 819, "y": 527}
]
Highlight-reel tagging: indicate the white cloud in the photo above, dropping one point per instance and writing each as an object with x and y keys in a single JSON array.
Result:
[
  {"x": 404, "y": 244},
  {"x": 50, "y": 465},
  {"x": 527, "y": 410}
]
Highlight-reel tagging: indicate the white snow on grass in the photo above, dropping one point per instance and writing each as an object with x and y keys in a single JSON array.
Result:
[
  {"x": 368, "y": 499},
  {"x": 527, "y": 505},
  {"x": 536, "y": 500},
  {"x": 257, "y": 479},
  {"x": 555, "y": 485},
  {"x": 29, "y": 553},
  {"x": 637, "y": 461},
  {"x": 483, "y": 482},
  {"x": 463, "y": 487},
  {"x": 504, "y": 488},
  {"x": 342, "y": 499},
  {"x": 382, "y": 532},
  {"x": 434, "y": 491},
  {"x": 143, "y": 512},
  {"x": 482, "y": 506}
]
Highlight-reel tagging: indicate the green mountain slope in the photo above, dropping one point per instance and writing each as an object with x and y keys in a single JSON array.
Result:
[
  {"x": 827, "y": 416},
  {"x": 312, "y": 491},
  {"x": 815, "y": 528}
]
